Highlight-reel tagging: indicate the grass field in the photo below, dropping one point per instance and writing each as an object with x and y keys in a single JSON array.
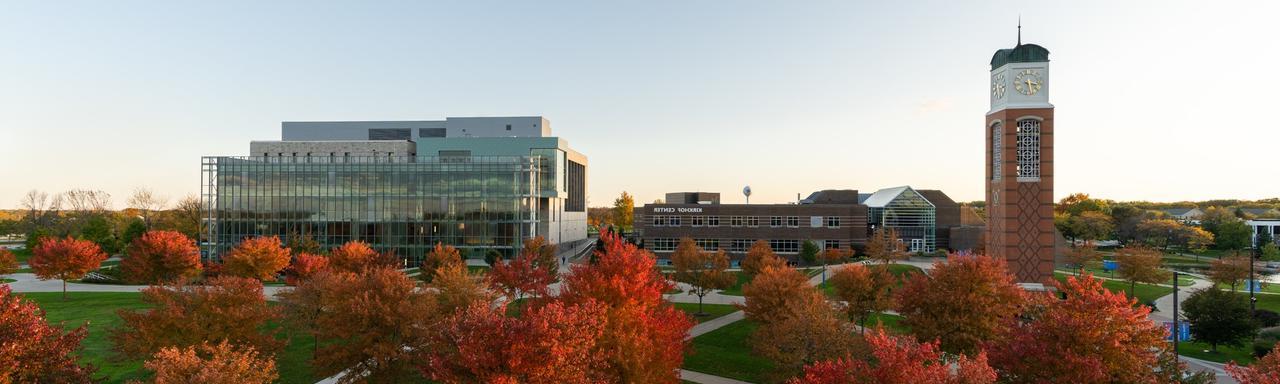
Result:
[
  {"x": 1183, "y": 280},
  {"x": 1145, "y": 293},
  {"x": 6, "y": 281},
  {"x": 1241, "y": 355},
  {"x": 98, "y": 310},
  {"x": 713, "y": 310},
  {"x": 725, "y": 352},
  {"x": 21, "y": 254}
]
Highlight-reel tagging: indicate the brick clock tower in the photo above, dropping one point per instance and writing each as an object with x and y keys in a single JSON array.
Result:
[{"x": 1019, "y": 132}]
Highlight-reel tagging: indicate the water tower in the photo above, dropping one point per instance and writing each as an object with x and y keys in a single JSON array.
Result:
[{"x": 746, "y": 191}]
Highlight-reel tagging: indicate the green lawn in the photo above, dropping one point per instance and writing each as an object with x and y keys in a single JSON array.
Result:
[
  {"x": 1241, "y": 355},
  {"x": 6, "y": 281},
  {"x": 1183, "y": 280},
  {"x": 478, "y": 269},
  {"x": 21, "y": 254},
  {"x": 1145, "y": 293},
  {"x": 98, "y": 309},
  {"x": 890, "y": 322},
  {"x": 1267, "y": 302},
  {"x": 725, "y": 352},
  {"x": 736, "y": 288},
  {"x": 713, "y": 310}
]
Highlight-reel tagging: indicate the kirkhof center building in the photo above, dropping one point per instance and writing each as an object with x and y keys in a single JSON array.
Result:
[{"x": 480, "y": 184}]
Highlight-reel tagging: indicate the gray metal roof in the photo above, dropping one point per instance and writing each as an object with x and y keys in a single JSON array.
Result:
[{"x": 883, "y": 197}]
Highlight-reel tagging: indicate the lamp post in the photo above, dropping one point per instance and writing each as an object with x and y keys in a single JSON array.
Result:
[
  {"x": 1175, "y": 315},
  {"x": 1253, "y": 300}
]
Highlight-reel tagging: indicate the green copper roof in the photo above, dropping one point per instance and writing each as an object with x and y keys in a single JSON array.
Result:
[{"x": 1023, "y": 53}]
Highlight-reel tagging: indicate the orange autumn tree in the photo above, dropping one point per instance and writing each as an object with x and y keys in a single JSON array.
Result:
[
  {"x": 35, "y": 351},
  {"x": 303, "y": 266},
  {"x": 1092, "y": 336},
  {"x": 1229, "y": 270},
  {"x": 441, "y": 257},
  {"x": 759, "y": 257},
  {"x": 900, "y": 360},
  {"x": 768, "y": 295},
  {"x": 810, "y": 331},
  {"x": 550, "y": 344},
  {"x": 352, "y": 256},
  {"x": 544, "y": 256},
  {"x": 65, "y": 259},
  {"x": 457, "y": 289},
  {"x": 1083, "y": 256},
  {"x": 211, "y": 364},
  {"x": 8, "y": 263},
  {"x": 862, "y": 291},
  {"x": 375, "y": 322},
  {"x": 961, "y": 302},
  {"x": 518, "y": 277},
  {"x": 257, "y": 258},
  {"x": 703, "y": 271},
  {"x": 1263, "y": 371},
  {"x": 644, "y": 336},
  {"x": 225, "y": 308},
  {"x": 1140, "y": 264},
  {"x": 161, "y": 257}
]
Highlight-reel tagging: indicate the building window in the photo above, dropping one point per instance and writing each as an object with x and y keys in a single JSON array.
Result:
[
  {"x": 753, "y": 221},
  {"x": 833, "y": 222},
  {"x": 698, "y": 221},
  {"x": 713, "y": 221},
  {"x": 508, "y": 127},
  {"x": 1029, "y": 150},
  {"x": 997, "y": 150},
  {"x": 775, "y": 221},
  {"x": 740, "y": 245},
  {"x": 793, "y": 221},
  {"x": 673, "y": 221},
  {"x": 785, "y": 246},
  {"x": 663, "y": 245},
  {"x": 831, "y": 244},
  {"x": 735, "y": 221},
  {"x": 708, "y": 244},
  {"x": 659, "y": 221}
]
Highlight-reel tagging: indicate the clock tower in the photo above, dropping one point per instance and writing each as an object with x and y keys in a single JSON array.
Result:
[{"x": 1019, "y": 166}]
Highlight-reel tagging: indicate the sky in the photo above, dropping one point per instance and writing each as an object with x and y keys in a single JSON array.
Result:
[{"x": 1160, "y": 101}]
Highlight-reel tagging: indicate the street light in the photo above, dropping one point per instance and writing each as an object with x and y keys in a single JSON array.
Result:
[{"x": 1175, "y": 315}]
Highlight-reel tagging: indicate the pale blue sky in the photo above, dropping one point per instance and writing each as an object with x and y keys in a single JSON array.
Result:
[{"x": 1155, "y": 100}]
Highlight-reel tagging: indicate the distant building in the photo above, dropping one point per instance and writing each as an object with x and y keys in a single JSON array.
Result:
[
  {"x": 1186, "y": 215},
  {"x": 1261, "y": 226},
  {"x": 924, "y": 220},
  {"x": 480, "y": 184},
  {"x": 1261, "y": 212}
]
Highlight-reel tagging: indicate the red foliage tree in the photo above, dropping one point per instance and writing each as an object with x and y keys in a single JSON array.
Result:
[
  {"x": 373, "y": 323},
  {"x": 161, "y": 257},
  {"x": 227, "y": 308},
  {"x": 443, "y": 256},
  {"x": 1263, "y": 371},
  {"x": 1093, "y": 336},
  {"x": 551, "y": 344},
  {"x": 65, "y": 259},
  {"x": 644, "y": 336},
  {"x": 8, "y": 263},
  {"x": 962, "y": 302},
  {"x": 900, "y": 360},
  {"x": 520, "y": 276},
  {"x": 32, "y": 351},
  {"x": 353, "y": 256},
  {"x": 257, "y": 258},
  {"x": 212, "y": 364},
  {"x": 304, "y": 266}
]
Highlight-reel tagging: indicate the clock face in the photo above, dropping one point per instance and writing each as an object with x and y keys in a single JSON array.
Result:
[
  {"x": 997, "y": 86},
  {"x": 1028, "y": 82}
]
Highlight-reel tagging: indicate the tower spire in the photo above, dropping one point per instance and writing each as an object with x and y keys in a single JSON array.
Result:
[{"x": 1019, "y": 29}]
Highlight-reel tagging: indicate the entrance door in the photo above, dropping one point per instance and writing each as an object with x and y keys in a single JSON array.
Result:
[{"x": 917, "y": 245}]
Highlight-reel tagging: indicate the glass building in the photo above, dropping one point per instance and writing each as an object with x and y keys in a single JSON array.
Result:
[
  {"x": 908, "y": 213},
  {"x": 403, "y": 190}
]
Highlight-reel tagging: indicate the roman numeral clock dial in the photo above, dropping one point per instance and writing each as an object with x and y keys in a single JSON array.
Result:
[
  {"x": 1028, "y": 82},
  {"x": 997, "y": 86}
]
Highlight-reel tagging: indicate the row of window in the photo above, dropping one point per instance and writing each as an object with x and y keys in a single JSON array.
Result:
[
  {"x": 745, "y": 221},
  {"x": 739, "y": 245}
]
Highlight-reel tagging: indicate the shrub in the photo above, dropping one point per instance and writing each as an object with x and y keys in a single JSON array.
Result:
[{"x": 1266, "y": 318}]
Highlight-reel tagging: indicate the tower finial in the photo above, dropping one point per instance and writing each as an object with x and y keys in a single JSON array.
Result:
[{"x": 1019, "y": 29}]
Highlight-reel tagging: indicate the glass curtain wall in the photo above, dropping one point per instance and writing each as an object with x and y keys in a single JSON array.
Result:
[
  {"x": 912, "y": 216},
  {"x": 403, "y": 205}
]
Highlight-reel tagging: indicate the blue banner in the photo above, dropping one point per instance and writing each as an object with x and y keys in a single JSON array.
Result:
[{"x": 1184, "y": 331}]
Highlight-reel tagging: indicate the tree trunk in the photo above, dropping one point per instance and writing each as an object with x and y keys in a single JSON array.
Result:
[
  {"x": 1132, "y": 284},
  {"x": 700, "y": 312},
  {"x": 64, "y": 290}
]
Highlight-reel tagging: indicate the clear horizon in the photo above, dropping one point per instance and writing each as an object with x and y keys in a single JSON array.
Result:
[{"x": 1154, "y": 101}]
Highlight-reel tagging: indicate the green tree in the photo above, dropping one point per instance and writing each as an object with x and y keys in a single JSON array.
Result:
[
  {"x": 1219, "y": 317},
  {"x": 623, "y": 210},
  {"x": 100, "y": 232},
  {"x": 1270, "y": 252},
  {"x": 809, "y": 252},
  {"x": 133, "y": 230},
  {"x": 1231, "y": 235}
]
